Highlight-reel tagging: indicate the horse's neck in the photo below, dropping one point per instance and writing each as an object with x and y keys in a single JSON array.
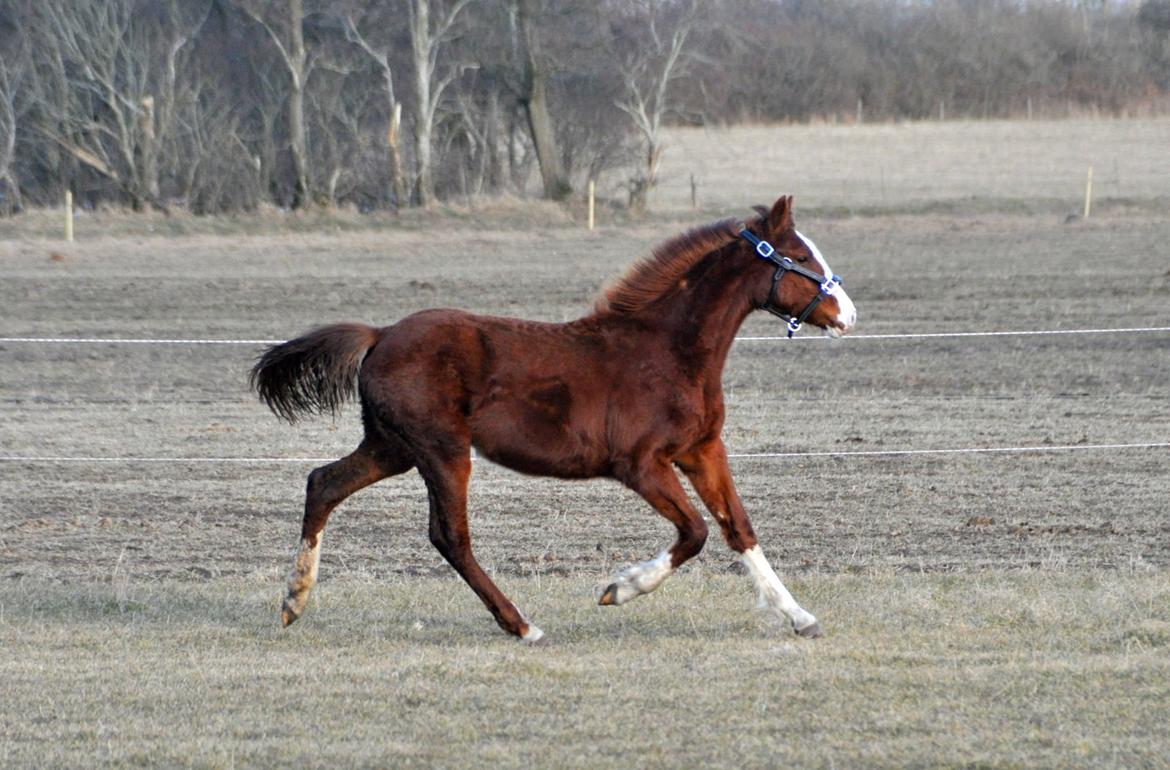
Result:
[{"x": 702, "y": 322}]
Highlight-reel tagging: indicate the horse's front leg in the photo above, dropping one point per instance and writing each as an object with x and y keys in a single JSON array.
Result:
[
  {"x": 656, "y": 482},
  {"x": 708, "y": 473}
]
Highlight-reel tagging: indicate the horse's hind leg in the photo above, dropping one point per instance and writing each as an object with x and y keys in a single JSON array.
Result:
[
  {"x": 446, "y": 481},
  {"x": 328, "y": 486},
  {"x": 657, "y": 483}
]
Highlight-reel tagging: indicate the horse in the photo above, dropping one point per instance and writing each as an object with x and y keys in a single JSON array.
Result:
[{"x": 631, "y": 391}]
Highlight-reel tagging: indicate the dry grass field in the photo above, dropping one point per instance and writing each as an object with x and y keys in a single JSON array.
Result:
[
  {"x": 982, "y": 610},
  {"x": 953, "y": 167},
  {"x": 1035, "y": 669}
]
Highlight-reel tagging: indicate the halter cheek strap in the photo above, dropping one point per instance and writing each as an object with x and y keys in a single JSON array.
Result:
[{"x": 767, "y": 251}]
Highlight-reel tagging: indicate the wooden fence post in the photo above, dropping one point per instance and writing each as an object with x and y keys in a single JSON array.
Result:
[
  {"x": 69, "y": 216},
  {"x": 1089, "y": 192},
  {"x": 592, "y": 189}
]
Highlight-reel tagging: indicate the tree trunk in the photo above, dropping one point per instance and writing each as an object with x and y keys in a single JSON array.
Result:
[
  {"x": 425, "y": 41},
  {"x": 493, "y": 165},
  {"x": 641, "y": 186},
  {"x": 425, "y": 184},
  {"x": 420, "y": 39},
  {"x": 552, "y": 173},
  {"x": 10, "y": 200},
  {"x": 397, "y": 192},
  {"x": 398, "y": 189},
  {"x": 296, "y": 105},
  {"x": 149, "y": 181}
]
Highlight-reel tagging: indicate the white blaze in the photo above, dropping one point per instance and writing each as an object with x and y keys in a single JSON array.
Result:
[{"x": 847, "y": 315}]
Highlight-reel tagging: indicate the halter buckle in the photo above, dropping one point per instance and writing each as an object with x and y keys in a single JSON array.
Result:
[
  {"x": 765, "y": 249},
  {"x": 830, "y": 285}
]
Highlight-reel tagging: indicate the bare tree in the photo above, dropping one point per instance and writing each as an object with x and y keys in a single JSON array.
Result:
[
  {"x": 290, "y": 44},
  {"x": 177, "y": 86},
  {"x": 534, "y": 99},
  {"x": 104, "y": 71},
  {"x": 10, "y": 198},
  {"x": 480, "y": 125},
  {"x": 338, "y": 118},
  {"x": 107, "y": 84},
  {"x": 134, "y": 101},
  {"x": 266, "y": 112},
  {"x": 426, "y": 40},
  {"x": 381, "y": 57},
  {"x": 649, "y": 66},
  {"x": 219, "y": 172}
]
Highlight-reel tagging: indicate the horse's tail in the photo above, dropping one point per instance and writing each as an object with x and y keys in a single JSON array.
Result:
[{"x": 314, "y": 373}]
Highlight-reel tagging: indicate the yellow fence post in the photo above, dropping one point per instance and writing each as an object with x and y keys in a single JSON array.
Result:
[
  {"x": 69, "y": 216},
  {"x": 592, "y": 187},
  {"x": 1089, "y": 192}
]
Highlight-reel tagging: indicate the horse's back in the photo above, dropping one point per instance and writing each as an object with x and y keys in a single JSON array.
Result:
[{"x": 529, "y": 395}]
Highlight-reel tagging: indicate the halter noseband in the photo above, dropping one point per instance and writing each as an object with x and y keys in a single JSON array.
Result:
[{"x": 784, "y": 265}]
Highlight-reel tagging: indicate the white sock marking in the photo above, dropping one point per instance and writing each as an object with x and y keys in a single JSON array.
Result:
[
  {"x": 773, "y": 594},
  {"x": 642, "y": 578},
  {"x": 532, "y": 635},
  {"x": 302, "y": 580},
  {"x": 304, "y": 574}
]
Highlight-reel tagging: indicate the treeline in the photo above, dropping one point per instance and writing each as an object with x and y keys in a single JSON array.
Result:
[{"x": 224, "y": 105}]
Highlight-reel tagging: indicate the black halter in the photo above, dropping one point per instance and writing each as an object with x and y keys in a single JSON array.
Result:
[{"x": 827, "y": 284}]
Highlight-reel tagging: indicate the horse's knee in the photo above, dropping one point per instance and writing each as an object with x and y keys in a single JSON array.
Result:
[
  {"x": 700, "y": 534},
  {"x": 691, "y": 539}
]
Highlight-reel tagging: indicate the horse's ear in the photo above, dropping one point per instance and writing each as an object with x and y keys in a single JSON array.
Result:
[{"x": 780, "y": 217}]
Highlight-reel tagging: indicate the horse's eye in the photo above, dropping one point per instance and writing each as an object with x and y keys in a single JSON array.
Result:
[{"x": 802, "y": 259}]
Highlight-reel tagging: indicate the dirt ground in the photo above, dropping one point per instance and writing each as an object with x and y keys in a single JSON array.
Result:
[
  {"x": 991, "y": 610},
  {"x": 1092, "y": 509}
]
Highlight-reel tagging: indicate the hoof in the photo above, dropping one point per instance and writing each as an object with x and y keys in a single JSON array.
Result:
[
  {"x": 532, "y": 636},
  {"x": 812, "y": 631},
  {"x": 288, "y": 614},
  {"x": 609, "y": 598}
]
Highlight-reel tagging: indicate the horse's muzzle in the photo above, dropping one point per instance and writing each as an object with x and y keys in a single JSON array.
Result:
[{"x": 846, "y": 317}]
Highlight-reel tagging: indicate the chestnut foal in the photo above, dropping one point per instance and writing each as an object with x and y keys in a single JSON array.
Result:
[{"x": 630, "y": 391}]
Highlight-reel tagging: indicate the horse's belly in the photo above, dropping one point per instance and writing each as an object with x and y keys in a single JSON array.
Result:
[
  {"x": 541, "y": 431},
  {"x": 536, "y": 460}
]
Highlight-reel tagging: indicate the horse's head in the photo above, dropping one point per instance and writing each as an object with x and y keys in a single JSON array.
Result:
[{"x": 800, "y": 287}]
